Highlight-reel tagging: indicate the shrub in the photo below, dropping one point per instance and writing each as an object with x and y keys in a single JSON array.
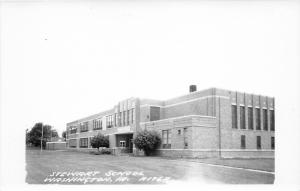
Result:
[
  {"x": 106, "y": 152},
  {"x": 99, "y": 141},
  {"x": 147, "y": 141}
]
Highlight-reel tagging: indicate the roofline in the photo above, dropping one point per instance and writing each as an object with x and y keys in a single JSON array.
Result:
[{"x": 163, "y": 101}]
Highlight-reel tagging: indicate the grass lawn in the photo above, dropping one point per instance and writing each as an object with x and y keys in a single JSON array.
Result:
[{"x": 141, "y": 170}]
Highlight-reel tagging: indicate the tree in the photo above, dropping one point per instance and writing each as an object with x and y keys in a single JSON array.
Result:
[
  {"x": 147, "y": 141},
  {"x": 34, "y": 136},
  {"x": 99, "y": 141},
  {"x": 64, "y": 135}
]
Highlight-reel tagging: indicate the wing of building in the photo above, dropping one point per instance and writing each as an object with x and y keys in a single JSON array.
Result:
[{"x": 208, "y": 123}]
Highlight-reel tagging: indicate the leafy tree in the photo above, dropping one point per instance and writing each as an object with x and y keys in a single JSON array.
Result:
[
  {"x": 147, "y": 141},
  {"x": 34, "y": 136},
  {"x": 64, "y": 135},
  {"x": 99, "y": 141}
]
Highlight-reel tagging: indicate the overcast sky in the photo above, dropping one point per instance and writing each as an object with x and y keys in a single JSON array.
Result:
[{"x": 64, "y": 61}]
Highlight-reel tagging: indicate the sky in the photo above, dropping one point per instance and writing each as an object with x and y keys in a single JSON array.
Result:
[{"x": 64, "y": 60}]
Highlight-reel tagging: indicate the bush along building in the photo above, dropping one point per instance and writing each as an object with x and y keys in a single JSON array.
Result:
[{"x": 208, "y": 123}]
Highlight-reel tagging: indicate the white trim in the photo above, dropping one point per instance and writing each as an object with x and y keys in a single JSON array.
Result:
[
  {"x": 172, "y": 118},
  {"x": 183, "y": 102},
  {"x": 56, "y": 142}
]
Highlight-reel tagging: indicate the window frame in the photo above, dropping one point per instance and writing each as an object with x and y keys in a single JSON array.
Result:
[
  {"x": 250, "y": 118},
  {"x": 258, "y": 142},
  {"x": 234, "y": 120},
  {"x": 243, "y": 141}
]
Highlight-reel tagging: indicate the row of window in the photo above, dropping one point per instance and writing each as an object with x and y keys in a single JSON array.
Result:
[
  {"x": 125, "y": 117},
  {"x": 251, "y": 114},
  {"x": 258, "y": 142},
  {"x": 121, "y": 119},
  {"x": 97, "y": 124}
]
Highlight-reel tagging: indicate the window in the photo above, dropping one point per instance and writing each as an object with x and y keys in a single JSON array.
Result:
[
  {"x": 257, "y": 118},
  {"x": 120, "y": 119},
  {"x": 179, "y": 132},
  {"x": 97, "y": 124},
  {"x": 109, "y": 121},
  {"x": 127, "y": 117},
  {"x": 84, "y": 126},
  {"x": 132, "y": 115},
  {"x": 272, "y": 120},
  {"x": 258, "y": 142},
  {"x": 185, "y": 137},
  {"x": 124, "y": 118},
  {"x": 250, "y": 118},
  {"x": 83, "y": 143},
  {"x": 234, "y": 116},
  {"x": 265, "y": 119},
  {"x": 243, "y": 141},
  {"x": 122, "y": 143},
  {"x": 115, "y": 119},
  {"x": 166, "y": 136},
  {"x": 73, "y": 129},
  {"x": 242, "y": 117},
  {"x": 273, "y": 143}
]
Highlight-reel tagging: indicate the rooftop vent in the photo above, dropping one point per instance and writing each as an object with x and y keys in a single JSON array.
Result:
[{"x": 193, "y": 88}]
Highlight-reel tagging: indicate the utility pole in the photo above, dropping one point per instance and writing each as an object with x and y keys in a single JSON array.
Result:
[{"x": 42, "y": 139}]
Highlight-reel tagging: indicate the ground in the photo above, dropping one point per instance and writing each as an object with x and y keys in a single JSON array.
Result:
[{"x": 47, "y": 167}]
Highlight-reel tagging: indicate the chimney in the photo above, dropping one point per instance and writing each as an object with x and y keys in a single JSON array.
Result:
[{"x": 193, "y": 88}]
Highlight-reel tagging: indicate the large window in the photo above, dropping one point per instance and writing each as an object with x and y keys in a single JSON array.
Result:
[
  {"x": 84, "y": 126},
  {"x": 83, "y": 143},
  {"x": 73, "y": 129},
  {"x": 109, "y": 121},
  {"x": 273, "y": 143},
  {"x": 120, "y": 119},
  {"x": 250, "y": 118},
  {"x": 97, "y": 124},
  {"x": 234, "y": 116},
  {"x": 257, "y": 118},
  {"x": 115, "y": 120},
  {"x": 127, "y": 117},
  {"x": 124, "y": 117},
  {"x": 132, "y": 116},
  {"x": 265, "y": 119},
  {"x": 272, "y": 120},
  {"x": 166, "y": 136},
  {"x": 242, "y": 117},
  {"x": 258, "y": 142},
  {"x": 243, "y": 141}
]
